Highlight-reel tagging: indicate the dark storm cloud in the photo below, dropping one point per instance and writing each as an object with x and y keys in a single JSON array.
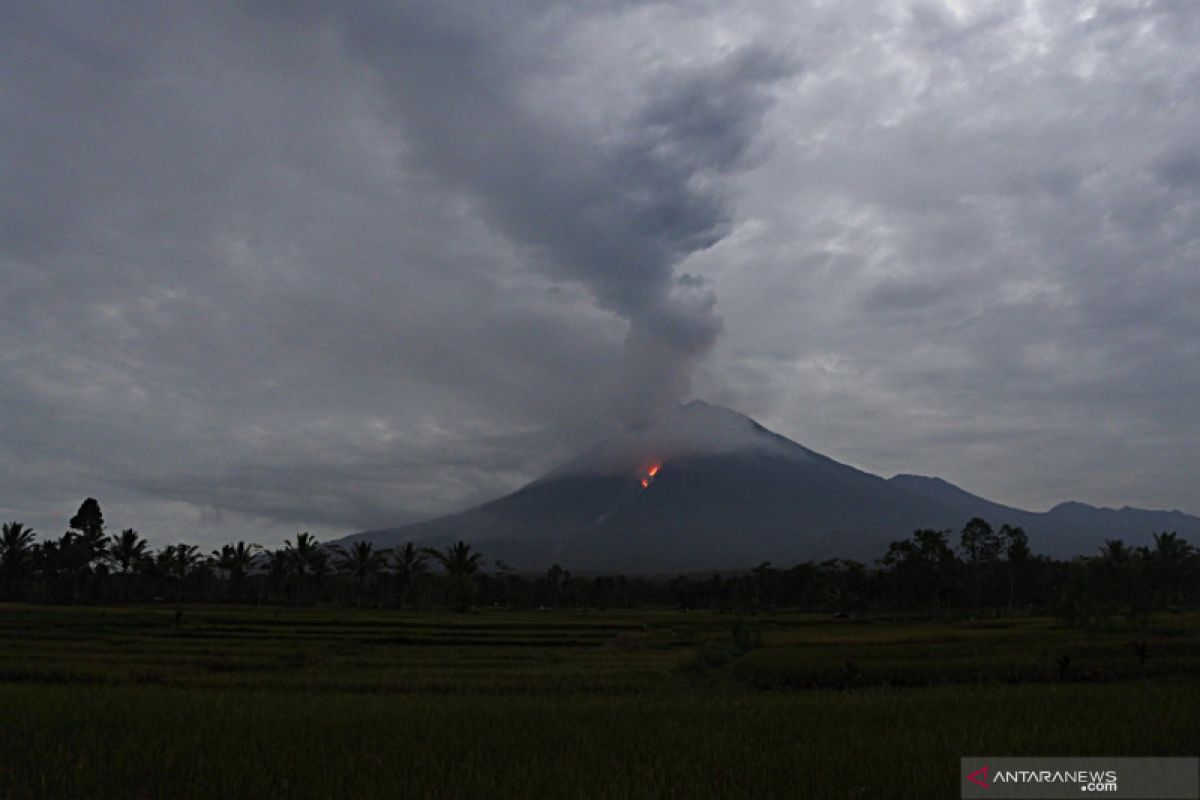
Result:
[
  {"x": 1004, "y": 244},
  {"x": 268, "y": 266}
]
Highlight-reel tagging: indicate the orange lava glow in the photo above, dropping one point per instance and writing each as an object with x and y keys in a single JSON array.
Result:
[{"x": 651, "y": 471}]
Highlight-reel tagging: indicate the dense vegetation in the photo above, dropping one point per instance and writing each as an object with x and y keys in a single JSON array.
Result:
[{"x": 988, "y": 569}]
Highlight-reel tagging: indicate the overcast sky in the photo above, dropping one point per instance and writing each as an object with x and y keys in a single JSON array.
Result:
[{"x": 281, "y": 266}]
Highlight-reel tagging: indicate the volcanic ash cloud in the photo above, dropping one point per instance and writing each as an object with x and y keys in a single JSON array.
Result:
[{"x": 614, "y": 201}]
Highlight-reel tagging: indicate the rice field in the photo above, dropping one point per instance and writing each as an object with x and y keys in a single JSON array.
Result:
[{"x": 246, "y": 702}]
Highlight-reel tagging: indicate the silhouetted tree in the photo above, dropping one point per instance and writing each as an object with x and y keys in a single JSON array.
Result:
[
  {"x": 979, "y": 542},
  {"x": 306, "y": 562},
  {"x": 1015, "y": 544},
  {"x": 1171, "y": 562},
  {"x": 276, "y": 573},
  {"x": 89, "y": 518},
  {"x": 556, "y": 584},
  {"x": 127, "y": 550},
  {"x": 981, "y": 547},
  {"x": 1115, "y": 552},
  {"x": 301, "y": 554},
  {"x": 179, "y": 562},
  {"x": 66, "y": 564},
  {"x": 361, "y": 563},
  {"x": 923, "y": 567},
  {"x": 460, "y": 565},
  {"x": 409, "y": 563},
  {"x": 846, "y": 584},
  {"x": 234, "y": 561},
  {"x": 89, "y": 522},
  {"x": 16, "y": 556},
  {"x": 764, "y": 580}
]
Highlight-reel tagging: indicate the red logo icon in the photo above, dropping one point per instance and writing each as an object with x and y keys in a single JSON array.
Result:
[{"x": 975, "y": 778}]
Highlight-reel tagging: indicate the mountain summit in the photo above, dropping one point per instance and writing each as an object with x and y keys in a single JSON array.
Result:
[{"x": 709, "y": 488}]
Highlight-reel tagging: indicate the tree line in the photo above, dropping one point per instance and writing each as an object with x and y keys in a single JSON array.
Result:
[{"x": 928, "y": 572}]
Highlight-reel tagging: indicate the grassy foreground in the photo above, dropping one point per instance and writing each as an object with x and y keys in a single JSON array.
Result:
[{"x": 270, "y": 703}]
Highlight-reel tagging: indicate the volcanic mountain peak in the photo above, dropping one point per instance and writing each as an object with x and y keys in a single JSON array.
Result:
[
  {"x": 707, "y": 488},
  {"x": 694, "y": 429}
]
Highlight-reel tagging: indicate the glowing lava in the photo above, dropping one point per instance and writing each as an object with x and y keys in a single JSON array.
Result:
[{"x": 650, "y": 473}]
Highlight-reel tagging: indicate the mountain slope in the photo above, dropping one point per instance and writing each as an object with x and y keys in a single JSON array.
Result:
[{"x": 729, "y": 493}]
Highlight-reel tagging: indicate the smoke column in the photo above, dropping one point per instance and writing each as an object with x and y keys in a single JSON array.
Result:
[{"x": 615, "y": 209}]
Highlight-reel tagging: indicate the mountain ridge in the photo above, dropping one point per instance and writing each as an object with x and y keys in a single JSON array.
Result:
[{"x": 726, "y": 492}]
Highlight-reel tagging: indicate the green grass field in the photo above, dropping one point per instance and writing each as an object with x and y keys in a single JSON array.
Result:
[{"x": 241, "y": 702}]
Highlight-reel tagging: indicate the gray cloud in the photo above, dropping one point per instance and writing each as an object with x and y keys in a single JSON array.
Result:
[
  {"x": 280, "y": 266},
  {"x": 990, "y": 277}
]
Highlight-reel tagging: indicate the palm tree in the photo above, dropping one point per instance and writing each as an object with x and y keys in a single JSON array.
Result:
[
  {"x": 1115, "y": 552},
  {"x": 301, "y": 555},
  {"x": 127, "y": 550},
  {"x": 409, "y": 564},
  {"x": 361, "y": 562},
  {"x": 1171, "y": 557},
  {"x": 1118, "y": 577},
  {"x": 179, "y": 562},
  {"x": 16, "y": 553},
  {"x": 72, "y": 556},
  {"x": 1168, "y": 547},
  {"x": 276, "y": 563},
  {"x": 460, "y": 565},
  {"x": 234, "y": 560},
  {"x": 305, "y": 558},
  {"x": 457, "y": 559}
]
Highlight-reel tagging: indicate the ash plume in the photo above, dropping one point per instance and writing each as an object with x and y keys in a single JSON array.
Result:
[{"x": 614, "y": 204}]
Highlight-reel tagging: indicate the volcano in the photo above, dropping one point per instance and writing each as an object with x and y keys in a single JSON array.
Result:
[{"x": 709, "y": 488}]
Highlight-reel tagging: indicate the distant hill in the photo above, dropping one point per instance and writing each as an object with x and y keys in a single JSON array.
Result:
[
  {"x": 726, "y": 492},
  {"x": 1068, "y": 529}
]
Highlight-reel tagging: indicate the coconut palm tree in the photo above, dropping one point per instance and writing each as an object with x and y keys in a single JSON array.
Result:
[
  {"x": 71, "y": 561},
  {"x": 234, "y": 561},
  {"x": 16, "y": 554},
  {"x": 1172, "y": 559},
  {"x": 179, "y": 562},
  {"x": 1118, "y": 577},
  {"x": 460, "y": 565},
  {"x": 1115, "y": 552},
  {"x": 127, "y": 550},
  {"x": 306, "y": 560},
  {"x": 1169, "y": 547},
  {"x": 361, "y": 562},
  {"x": 276, "y": 570},
  {"x": 301, "y": 554},
  {"x": 15, "y": 543},
  {"x": 409, "y": 562}
]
